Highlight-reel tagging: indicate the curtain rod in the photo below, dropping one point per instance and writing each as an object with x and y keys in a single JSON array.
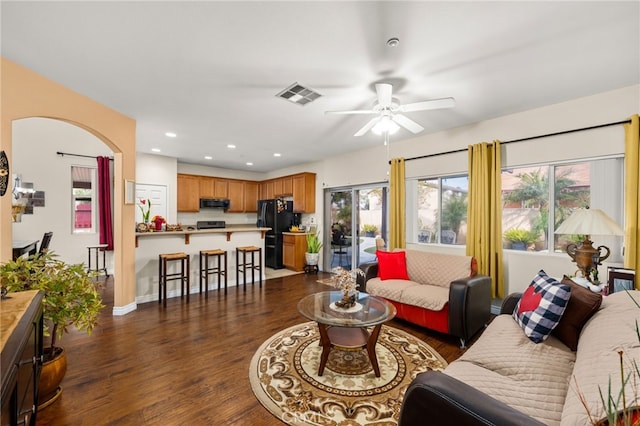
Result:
[
  {"x": 62, "y": 154},
  {"x": 522, "y": 140}
]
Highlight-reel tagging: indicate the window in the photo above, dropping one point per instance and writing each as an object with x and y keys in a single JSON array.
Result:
[
  {"x": 83, "y": 199},
  {"x": 537, "y": 199},
  {"x": 441, "y": 210}
]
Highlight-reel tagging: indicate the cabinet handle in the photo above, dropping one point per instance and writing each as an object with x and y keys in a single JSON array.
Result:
[{"x": 27, "y": 361}]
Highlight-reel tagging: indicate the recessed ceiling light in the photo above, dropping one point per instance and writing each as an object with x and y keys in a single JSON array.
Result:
[
  {"x": 277, "y": 154},
  {"x": 155, "y": 149},
  {"x": 393, "y": 42},
  {"x": 208, "y": 157},
  {"x": 170, "y": 135},
  {"x": 231, "y": 146},
  {"x": 249, "y": 163}
]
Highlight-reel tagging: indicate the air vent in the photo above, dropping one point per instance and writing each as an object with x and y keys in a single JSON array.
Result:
[{"x": 298, "y": 94}]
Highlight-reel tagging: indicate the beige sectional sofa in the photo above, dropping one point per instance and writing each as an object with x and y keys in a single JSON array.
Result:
[
  {"x": 442, "y": 292},
  {"x": 505, "y": 378}
]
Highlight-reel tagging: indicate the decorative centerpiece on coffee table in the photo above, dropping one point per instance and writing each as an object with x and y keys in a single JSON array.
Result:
[{"x": 346, "y": 282}]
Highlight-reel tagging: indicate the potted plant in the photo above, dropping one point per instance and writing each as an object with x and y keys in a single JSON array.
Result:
[
  {"x": 71, "y": 298},
  {"x": 313, "y": 248},
  {"x": 369, "y": 230},
  {"x": 520, "y": 238}
]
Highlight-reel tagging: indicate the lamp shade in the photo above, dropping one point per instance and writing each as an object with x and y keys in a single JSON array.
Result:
[{"x": 589, "y": 222}]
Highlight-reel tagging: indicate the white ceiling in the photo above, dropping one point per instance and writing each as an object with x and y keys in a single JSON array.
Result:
[{"x": 209, "y": 71}]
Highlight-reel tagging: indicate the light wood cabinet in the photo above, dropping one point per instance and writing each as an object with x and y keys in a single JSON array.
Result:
[
  {"x": 304, "y": 193},
  {"x": 277, "y": 188},
  {"x": 236, "y": 196},
  {"x": 206, "y": 187},
  {"x": 287, "y": 185},
  {"x": 294, "y": 246},
  {"x": 220, "y": 188},
  {"x": 188, "y": 193},
  {"x": 250, "y": 197},
  {"x": 266, "y": 190}
]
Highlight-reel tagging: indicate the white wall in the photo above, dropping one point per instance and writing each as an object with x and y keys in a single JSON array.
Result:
[
  {"x": 51, "y": 173},
  {"x": 36, "y": 141}
]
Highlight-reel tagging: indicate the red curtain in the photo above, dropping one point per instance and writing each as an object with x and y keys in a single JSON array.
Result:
[{"x": 104, "y": 202}]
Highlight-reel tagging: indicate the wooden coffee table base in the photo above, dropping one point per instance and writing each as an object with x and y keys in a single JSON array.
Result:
[{"x": 348, "y": 339}]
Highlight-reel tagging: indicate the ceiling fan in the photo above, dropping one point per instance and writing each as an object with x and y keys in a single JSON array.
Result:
[{"x": 388, "y": 111}]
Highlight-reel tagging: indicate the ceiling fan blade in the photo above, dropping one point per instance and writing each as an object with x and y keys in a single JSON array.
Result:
[
  {"x": 425, "y": 105},
  {"x": 407, "y": 123},
  {"x": 355, "y": 111},
  {"x": 384, "y": 94},
  {"x": 367, "y": 127}
]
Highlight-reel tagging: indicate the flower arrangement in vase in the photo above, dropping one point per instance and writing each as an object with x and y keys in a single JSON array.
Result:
[
  {"x": 145, "y": 212},
  {"x": 346, "y": 282},
  {"x": 158, "y": 221}
]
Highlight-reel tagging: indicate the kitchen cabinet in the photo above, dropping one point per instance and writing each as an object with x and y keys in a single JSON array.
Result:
[
  {"x": 277, "y": 188},
  {"x": 266, "y": 190},
  {"x": 206, "y": 187},
  {"x": 250, "y": 197},
  {"x": 220, "y": 188},
  {"x": 294, "y": 246},
  {"x": 304, "y": 192},
  {"x": 287, "y": 185},
  {"x": 236, "y": 190},
  {"x": 21, "y": 357},
  {"x": 188, "y": 193}
]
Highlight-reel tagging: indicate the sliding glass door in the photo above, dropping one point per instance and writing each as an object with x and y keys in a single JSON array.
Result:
[{"x": 355, "y": 218}]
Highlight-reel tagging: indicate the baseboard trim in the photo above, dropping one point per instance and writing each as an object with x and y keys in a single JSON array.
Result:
[{"x": 123, "y": 310}]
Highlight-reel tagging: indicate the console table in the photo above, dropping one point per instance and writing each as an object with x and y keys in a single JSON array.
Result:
[{"x": 21, "y": 331}]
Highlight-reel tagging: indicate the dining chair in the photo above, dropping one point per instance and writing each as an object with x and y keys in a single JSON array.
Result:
[{"x": 46, "y": 240}]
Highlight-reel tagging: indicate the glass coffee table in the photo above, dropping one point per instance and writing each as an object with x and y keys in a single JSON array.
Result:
[{"x": 347, "y": 329}]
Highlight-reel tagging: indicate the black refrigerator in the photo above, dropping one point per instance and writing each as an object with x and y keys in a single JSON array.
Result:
[{"x": 278, "y": 215}]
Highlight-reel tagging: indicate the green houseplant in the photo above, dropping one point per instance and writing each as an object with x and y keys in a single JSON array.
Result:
[
  {"x": 369, "y": 230},
  {"x": 313, "y": 248},
  {"x": 71, "y": 298},
  {"x": 520, "y": 238}
]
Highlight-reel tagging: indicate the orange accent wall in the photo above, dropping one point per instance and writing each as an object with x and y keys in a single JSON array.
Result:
[{"x": 24, "y": 94}]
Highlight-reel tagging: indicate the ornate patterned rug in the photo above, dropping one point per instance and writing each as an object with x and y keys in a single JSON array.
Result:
[{"x": 284, "y": 378}]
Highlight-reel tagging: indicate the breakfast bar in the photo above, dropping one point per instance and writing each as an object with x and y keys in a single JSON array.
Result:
[{"x": 189, "y": 240}]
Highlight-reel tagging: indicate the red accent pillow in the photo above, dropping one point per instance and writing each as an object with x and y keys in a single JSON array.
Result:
[{"x": 392, "y": 265}]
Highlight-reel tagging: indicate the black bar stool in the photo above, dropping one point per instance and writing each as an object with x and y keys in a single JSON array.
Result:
[
  {"x": 98, "y": 248},
  {"x": 164, "y": 276},
  {"x": 218, "y": 269},
  {"x": 243, "y": 267}
]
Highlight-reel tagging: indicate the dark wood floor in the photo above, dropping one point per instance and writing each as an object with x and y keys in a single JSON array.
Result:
[{"x": 186, "y": 364}]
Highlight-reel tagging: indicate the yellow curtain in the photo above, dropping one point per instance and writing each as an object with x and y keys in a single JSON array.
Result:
[
  {"x": 397, "y": 209},
  {"x": 631, "y": 188},
  {"x": 484, "y": 212}
]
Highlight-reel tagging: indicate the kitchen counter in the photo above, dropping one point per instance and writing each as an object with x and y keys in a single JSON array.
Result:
[
  {"x": 227, "y": 230},
  {"x": 190, "y": 241}
]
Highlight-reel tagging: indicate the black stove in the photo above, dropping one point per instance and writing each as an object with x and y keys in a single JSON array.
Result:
[{"x": 210, "y": 224}]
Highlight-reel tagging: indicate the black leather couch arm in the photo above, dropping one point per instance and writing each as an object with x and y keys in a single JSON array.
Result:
[
  {"x": 469, "y": 306},
  {"x": 509, "y": 303},
  {"x": 437, "y": 399},
  {"x": 370, "y": 271}
]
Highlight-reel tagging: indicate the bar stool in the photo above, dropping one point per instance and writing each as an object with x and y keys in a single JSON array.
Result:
[
  {"x": 206, "y": 269},
  {"x": 164, "y": 276},
  {"x": 97, "y": 268},
  {"x": 243, "y": 267}
]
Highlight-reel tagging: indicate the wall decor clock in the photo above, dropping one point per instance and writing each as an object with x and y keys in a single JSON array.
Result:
[{"x": 4, "y": 173}]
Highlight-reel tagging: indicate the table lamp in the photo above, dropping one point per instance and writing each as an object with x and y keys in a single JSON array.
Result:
[{"x": 588, "y": 222}]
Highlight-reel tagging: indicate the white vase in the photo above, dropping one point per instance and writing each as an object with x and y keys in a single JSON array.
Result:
[{"x": 311, "y": 258}]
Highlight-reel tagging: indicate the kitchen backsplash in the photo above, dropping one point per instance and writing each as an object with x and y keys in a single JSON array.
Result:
[{"x": 217, "y": 214}]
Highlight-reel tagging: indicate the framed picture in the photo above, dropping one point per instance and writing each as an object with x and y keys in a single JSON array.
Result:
[
  {"x": 129, "y": 192},
  {"x": 620, "y": 279}
]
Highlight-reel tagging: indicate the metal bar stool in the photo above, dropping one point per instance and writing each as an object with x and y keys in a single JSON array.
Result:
[
  {"x": 164, "y": 276},
  {"x": 243, "y": 267},
  {"x": 206, "y": 269},
  {"x": 98, "y": 248}
]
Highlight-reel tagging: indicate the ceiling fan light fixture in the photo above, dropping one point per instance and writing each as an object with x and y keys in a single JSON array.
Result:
[{"x": 385, "y": 125}]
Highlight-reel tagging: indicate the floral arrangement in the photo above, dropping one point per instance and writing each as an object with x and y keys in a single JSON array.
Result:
[
  {"x": 145, "y": 214},
  {"x": 157, "y": 218},
  {"x": 345, "y": 280}
]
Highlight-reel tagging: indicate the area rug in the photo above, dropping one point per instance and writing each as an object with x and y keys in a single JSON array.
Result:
[{"x": 284, "y": 378}]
